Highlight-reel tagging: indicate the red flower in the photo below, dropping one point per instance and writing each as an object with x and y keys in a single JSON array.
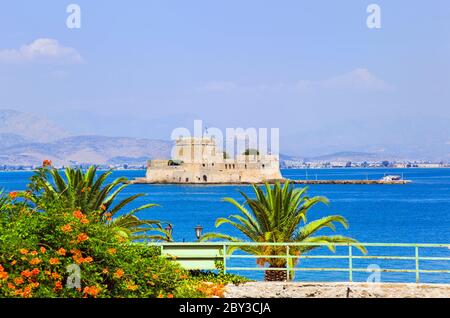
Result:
[
  {"x": 13, "y": 195},
  {"x": 47, "y": 163},
  {"x": 26, "y": 273},
  {"x": 58, "y": 285},
  {"x": 78, "y": 214}
]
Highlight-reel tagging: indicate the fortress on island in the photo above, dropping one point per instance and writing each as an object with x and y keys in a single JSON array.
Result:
[{"x": 197, "y": 160}]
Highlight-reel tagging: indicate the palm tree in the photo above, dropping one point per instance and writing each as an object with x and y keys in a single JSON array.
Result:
[
  {"x": 3, "y": 201},
  {"x": 277, "y": 215},
  {"x": 83, "y": 190}
]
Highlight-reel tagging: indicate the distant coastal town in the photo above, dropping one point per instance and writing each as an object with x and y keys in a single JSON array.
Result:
[{"x": 300, "y": 164}]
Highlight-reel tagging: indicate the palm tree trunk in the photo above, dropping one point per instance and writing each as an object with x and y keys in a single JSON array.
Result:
[{"x": 275, "y": 275}]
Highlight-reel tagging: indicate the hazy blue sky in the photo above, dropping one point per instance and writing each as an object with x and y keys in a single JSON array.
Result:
[{"x": 311, "y": 68}]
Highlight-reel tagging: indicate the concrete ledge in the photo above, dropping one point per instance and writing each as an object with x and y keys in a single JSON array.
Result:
[{"x": 336, "y": 290}]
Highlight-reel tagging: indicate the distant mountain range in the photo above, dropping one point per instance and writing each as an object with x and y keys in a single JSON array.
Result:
[{"x": 26, "y": 139}]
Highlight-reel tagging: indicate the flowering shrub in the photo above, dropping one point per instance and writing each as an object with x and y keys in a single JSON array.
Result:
[
  {"x": 42, "y": 253},
  {"x": 48, "y": 249}
]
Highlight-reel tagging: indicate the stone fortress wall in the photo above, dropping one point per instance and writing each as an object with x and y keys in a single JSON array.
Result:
[{"x": 198, "y": 160}]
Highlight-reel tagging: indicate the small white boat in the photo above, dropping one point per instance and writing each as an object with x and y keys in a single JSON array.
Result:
[{"x": 391, "y": 178}]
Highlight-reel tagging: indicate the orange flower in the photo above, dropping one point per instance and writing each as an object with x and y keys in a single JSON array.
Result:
[
  {"x": 92, "y": 291},
  {"x": 105, "y": 271},
  {"x": 13, "y": 262},
  {"x": 46, "y": 163},
  {"x": 26, "y": 292},
  {"x": 155, "y": 276},
  {"x": 11, "y": 286},
  {"x": 54, "y": 261},
  {"x": 78, "y": 259},
  {"x": 88, "y": 259},
  {"x": 35, "y": 261},
  {"x": 42, "y": 249},
  {"x": 13, "y": 195},
  {"x": 55, "y": 275},
  {"x": 103, "y": 207},
  {"x": 23, "y": 251},
  {"x": 132, "y": 287},
  {"x": 1, "y": 268},
  {"x": 34, "y": 253},
  {"x": 107, "y": 214},
  {"x": 84, "y": 221},
  {"x": 75, "y": 252},
  {"x": 66, "y": 228},
  {"x": 82, "y": 237},
  {"x": 18, "y": 280},
  {"x": 35, "y": 271},
  {"x": 169, "y": 295},
  {"x": 119, "y": 273},
  {"x": 34, "y": 285},
  {"x": 26, "y": 273},
  {"x": 3, "y": 275},
  {"x": 78, "y": 214},
  {"x": 61, "y": 252},
  {"x": 112, "y": 251},
  {"x": 160, "y": 296},
  {"x": 58, "y": 285}
]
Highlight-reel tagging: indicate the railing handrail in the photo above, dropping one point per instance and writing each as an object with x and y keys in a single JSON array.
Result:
[
  {"x": 221, "y": 243},
  {"x": 225, "y": 255}
]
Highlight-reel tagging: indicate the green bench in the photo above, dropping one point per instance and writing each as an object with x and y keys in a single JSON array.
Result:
[{"x": 194, "y": 256}]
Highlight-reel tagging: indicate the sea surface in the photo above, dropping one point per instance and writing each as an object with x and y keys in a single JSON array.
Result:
[{"x": 414, "y": 213}]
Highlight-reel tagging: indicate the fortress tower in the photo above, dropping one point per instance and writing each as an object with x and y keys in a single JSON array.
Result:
[{"x": 199, "y": 161}]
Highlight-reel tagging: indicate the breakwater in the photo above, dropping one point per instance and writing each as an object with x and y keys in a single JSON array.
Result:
[{"x": 145, "y": 181}]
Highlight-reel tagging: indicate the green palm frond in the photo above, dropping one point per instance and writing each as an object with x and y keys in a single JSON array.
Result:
[
  {"x": 278, "y": 213},
  {"x": 91, "y": 192}
]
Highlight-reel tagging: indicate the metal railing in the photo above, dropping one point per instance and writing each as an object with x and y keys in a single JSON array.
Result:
[{"x": 224, "y": 248}]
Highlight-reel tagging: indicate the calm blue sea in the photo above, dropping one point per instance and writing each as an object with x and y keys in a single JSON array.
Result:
[{"x": 415, "y": 213}]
